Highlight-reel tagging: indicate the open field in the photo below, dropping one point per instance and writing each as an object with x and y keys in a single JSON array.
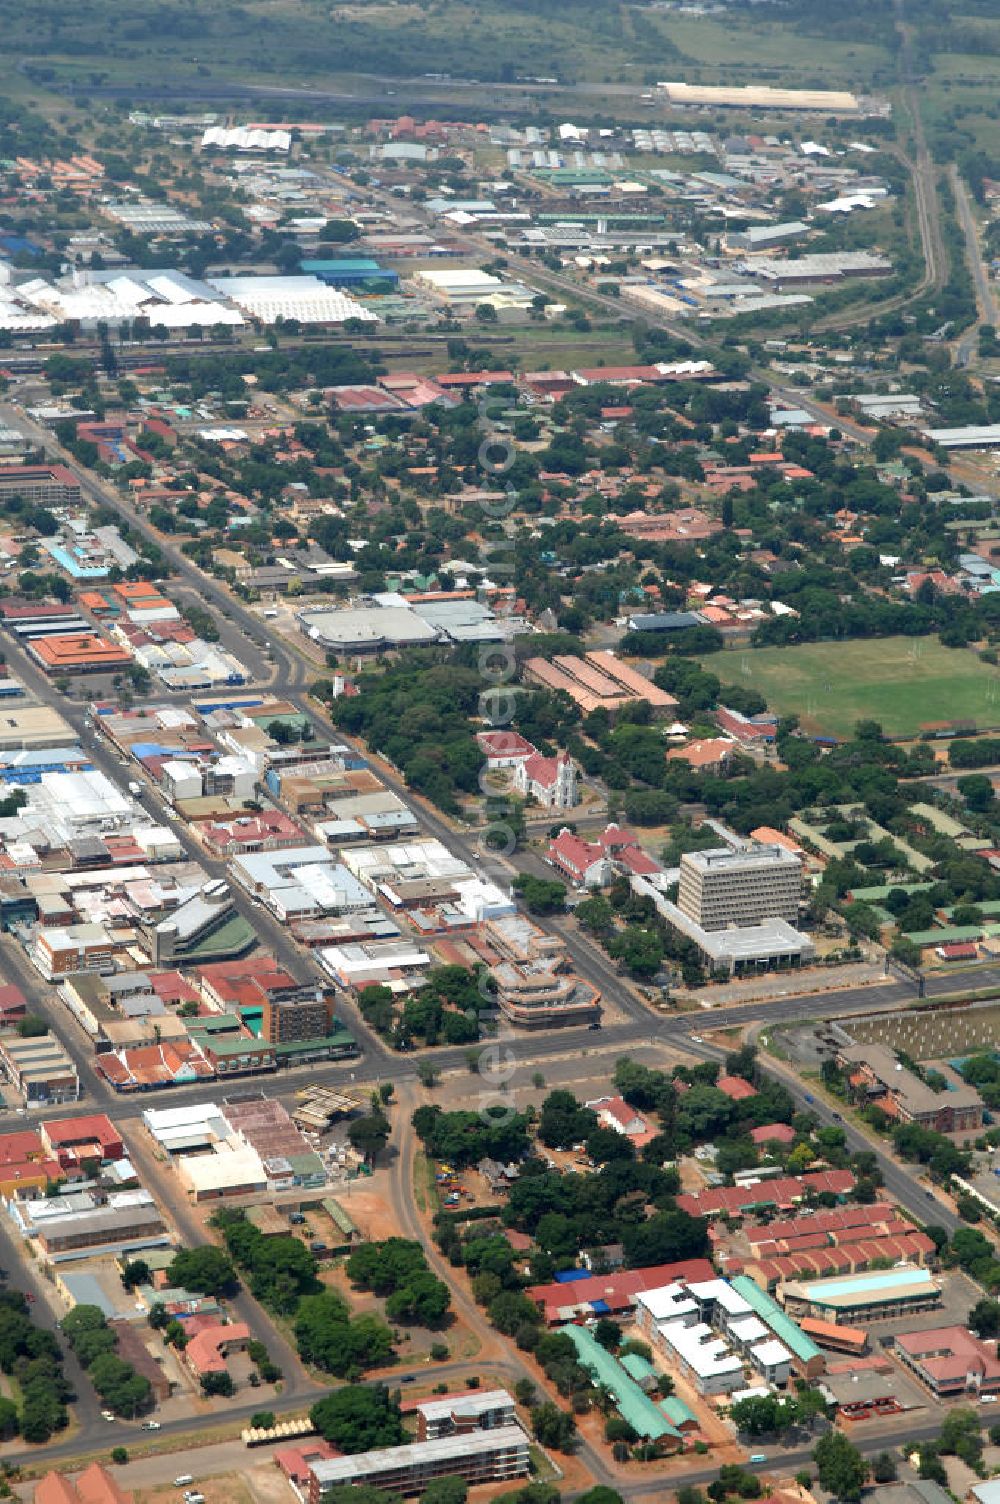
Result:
[
  {"x": 901, "y": 682},
  {"x": 738, "y": 50}
]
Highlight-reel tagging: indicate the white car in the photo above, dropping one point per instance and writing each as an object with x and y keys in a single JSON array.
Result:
[{"x": 150, "y": 1425}]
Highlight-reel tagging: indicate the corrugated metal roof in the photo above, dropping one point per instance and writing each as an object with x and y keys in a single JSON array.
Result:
[
  {"x": 640, "y": 1412},
  {"x": 781, "y": 1325}
]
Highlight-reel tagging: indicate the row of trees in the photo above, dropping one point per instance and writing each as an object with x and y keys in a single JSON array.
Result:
[{"x": 95, "y": 1343}]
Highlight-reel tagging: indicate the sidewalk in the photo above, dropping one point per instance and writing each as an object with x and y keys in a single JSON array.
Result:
[{"x": 789, "y": 984}]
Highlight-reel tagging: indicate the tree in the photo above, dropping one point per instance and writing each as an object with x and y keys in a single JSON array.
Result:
[
  {"x": 447, "y": 1490},
  {"x": 207, "y": 1269},
  {"x": 358, "y": 1418},
  {"x": 262, "y": 1420},
  {"x": 977, "y": 791},
  {"x": 135, "y": 1272},
  {"x": 842, "y": 1469},
  {"x": 218, "y": 1383},
  {"x": 541, "y": 895},
  {"x": 553, "y": 1427},
  {"x": 8, "y": 1419},
  {"x": 119, "y": 1455},
  {"x": 884, "y": 1468},
  {"x": 563, "y": 1121},
  {"x": 369, "y": 1135},
  {"x": 984, "y": 1318}
]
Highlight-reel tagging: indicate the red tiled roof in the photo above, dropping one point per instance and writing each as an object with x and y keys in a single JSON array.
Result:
[
  {"x": 783, "y": 1191},
  {"x": 782, "y": 1133},
  {"x": 204, "y": 1351},
  {"x": 736, "y": 1088},
  {"x": 619, "y": 1290}
]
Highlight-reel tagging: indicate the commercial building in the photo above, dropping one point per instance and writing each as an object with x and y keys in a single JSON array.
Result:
[
  {"x": 39, "y": 1069},
  {"x": 45, "y": 485},
  {"x": 205, "y": 927},
  {"x": 300, "y": 882},
  {"x": 763, "y": 237},
  {"x": 79, "y": 653},
  {"x": 950, "y": 1360},
  {"x": 267, "y": 299},
  {"x": 536, "y": 987},
  {"x": 745, "y": 885},
  {"x": 77, "y": 1141},
  {"x": 26, "y": 1163},
  {"x": 63, "y": 950},
  {"x": 79, "y": 1225},
  {"x": 878, "y": 1076},
  {"x": 874, "y": 1296},
  {"x": 34, "y": 726},
  {"x": 492, "y": 1456},
  {"x": 762, "y": 97},
  {"x": 600, "y": 680},
  {"x": 972, "y": 436}
]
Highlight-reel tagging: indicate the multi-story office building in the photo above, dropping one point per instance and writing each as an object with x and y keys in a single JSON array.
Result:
[{"x": 744, "y": 885}]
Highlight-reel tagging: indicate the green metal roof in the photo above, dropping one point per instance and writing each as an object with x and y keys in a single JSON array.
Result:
[
  {"x": 989, "y": 908},
  {"x": 675, "y": 1410},
  {"x": 950, "y": 934},
  {"x": 635, "y": 1407},
  {"x": 783, "y": 1327},
  {"x": 882, "y": 890},
  {"x": 307, "y": 1046},
  {"x": 226, "y": 1044},
  {"x": 340, "y": 1217},
  {"x": 637, "y": 1367}
]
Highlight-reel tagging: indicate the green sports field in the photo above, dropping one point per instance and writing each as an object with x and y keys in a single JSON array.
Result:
[{"x": 902, "y": 682}]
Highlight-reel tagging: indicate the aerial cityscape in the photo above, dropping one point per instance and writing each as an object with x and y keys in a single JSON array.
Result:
[{"x": 500, "y": 752}]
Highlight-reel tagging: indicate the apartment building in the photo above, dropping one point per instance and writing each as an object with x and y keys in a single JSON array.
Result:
[
  {"x": 491, "y": 1456},
  {"x": 745, "y": 885},
  {"x": 456, "y": 1414},
  {"x": 304, "y": 1012}
]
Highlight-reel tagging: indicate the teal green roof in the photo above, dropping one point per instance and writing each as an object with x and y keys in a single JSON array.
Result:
[
  {"x": 637, "y": 1367},
  {"x": 232, "y": 938},
  {"x": 783, "y": 1327},
  {"x": 217, "y": 1023},
  {"x": 634, "y": 1406},
  {"x": 675, "y": 1410}
]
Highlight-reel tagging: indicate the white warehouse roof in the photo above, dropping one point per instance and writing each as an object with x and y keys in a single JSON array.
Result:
[{"x": 307, "y": 299}]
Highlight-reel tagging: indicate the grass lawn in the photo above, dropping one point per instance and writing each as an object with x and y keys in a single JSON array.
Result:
[{"x": 901, "y": 682}]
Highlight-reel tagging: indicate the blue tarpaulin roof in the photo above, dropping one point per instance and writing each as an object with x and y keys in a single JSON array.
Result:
[{"x": 567, "y": 1276}]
